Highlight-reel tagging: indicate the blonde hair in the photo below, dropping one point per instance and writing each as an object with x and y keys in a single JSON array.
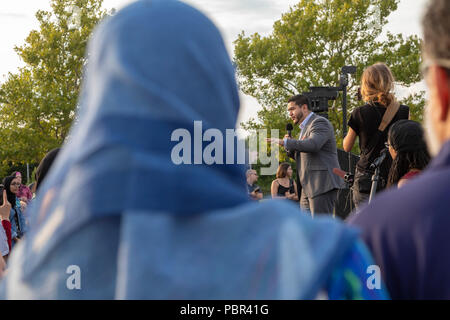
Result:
[{"x": 377, "y": 84}]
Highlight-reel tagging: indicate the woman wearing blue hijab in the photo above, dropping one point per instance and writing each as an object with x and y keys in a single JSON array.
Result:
[{"x": 190, "y": 233}]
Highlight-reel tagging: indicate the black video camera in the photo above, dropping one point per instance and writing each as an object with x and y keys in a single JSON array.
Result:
[{"x": 319, "y": 96}]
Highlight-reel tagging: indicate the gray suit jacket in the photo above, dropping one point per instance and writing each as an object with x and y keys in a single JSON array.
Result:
[{"x": 316, "y": 156}]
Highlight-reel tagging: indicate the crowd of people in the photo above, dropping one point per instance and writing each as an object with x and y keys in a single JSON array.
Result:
[
  {"x": 16, "y": 197},
  {"x": 193, "y": 233}
]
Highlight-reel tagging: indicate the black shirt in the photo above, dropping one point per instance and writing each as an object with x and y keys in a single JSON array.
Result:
[
  {"x": 282, "y": 189},
  {"x": 365, "y": 121}
]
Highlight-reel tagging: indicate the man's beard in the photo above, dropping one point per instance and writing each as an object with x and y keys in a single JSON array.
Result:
[
  {"x": 298, "y": 118},
  {"x": 434, "y": 146}
]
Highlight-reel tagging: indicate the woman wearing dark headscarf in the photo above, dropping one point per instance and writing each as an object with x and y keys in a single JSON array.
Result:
[
  {"x": 18, "y": 223},
  {"x": 159, "y": 73},
  {"x": 408, "y": 150}
]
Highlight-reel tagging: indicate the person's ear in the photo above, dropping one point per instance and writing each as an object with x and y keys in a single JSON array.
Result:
[{"x": 442, "y": 83}]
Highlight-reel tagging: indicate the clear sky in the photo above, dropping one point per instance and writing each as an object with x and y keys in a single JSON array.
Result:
[{"x": 232, "y": 16}]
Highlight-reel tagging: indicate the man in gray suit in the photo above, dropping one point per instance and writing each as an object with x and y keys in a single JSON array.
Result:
[{"x": 316, "y": 156}]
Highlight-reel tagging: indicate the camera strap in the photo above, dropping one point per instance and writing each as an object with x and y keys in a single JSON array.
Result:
[
  {"x": 388, "y": 116},
  {"x": 390, "y": 113}
]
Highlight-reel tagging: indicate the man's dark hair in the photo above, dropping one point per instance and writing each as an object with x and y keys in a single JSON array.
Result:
[
  {"x": 300, "y": 100},
  {"x": 436, "y": 30}
]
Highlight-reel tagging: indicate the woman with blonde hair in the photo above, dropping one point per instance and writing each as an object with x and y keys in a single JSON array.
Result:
[{"x": 370, "y": 123}]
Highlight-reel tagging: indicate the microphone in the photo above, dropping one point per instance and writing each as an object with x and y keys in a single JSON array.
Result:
[
  {"x": 378, "y": 161},
  {"x": 289, "y": 129}
]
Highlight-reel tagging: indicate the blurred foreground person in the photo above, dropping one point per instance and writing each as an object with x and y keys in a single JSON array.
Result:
[
  {"x": 154, "y": 68},
  {"x": 407, "y": 229}
]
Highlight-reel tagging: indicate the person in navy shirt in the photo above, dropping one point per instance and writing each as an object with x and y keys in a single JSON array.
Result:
[{"x": 407, "y": 230}]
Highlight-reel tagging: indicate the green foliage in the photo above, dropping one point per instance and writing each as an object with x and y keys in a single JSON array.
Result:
[
  {"x": 38, "y": 104},
  {"x": 416, "y": 103},
  {"x": 309, "y": 45}
]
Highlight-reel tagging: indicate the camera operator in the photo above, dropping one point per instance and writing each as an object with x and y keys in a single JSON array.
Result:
[{"x": 370, "y": 124}]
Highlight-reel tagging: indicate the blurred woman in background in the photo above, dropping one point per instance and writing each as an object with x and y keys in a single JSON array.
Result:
[
  {"x": 210, "y": 241},
  {"x": 18, "y": 224},
  {"x": 284, "y": 186},
  {"x": 407, "y": 147},
  {"x": 5, "y": 227},
  {"x": 23, "y": 194}
]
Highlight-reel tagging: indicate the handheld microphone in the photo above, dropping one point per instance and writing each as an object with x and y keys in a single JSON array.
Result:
[{"x": 289, "y": 129}]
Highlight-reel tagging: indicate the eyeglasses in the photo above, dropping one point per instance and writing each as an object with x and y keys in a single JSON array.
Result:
[{"x": 15, "y": 183}]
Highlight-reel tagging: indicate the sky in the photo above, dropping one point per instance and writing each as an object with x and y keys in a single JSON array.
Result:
[{"x": 231, "y": 16}]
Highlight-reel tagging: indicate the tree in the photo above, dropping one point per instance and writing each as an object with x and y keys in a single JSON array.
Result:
[
  {"x": 38, "y": 104},
  {"x": 308, "y": 47}
]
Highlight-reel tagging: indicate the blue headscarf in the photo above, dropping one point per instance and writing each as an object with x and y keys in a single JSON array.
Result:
[
  {"x": 155, "y": 67},
  {"x": 147, "y": 76}
]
